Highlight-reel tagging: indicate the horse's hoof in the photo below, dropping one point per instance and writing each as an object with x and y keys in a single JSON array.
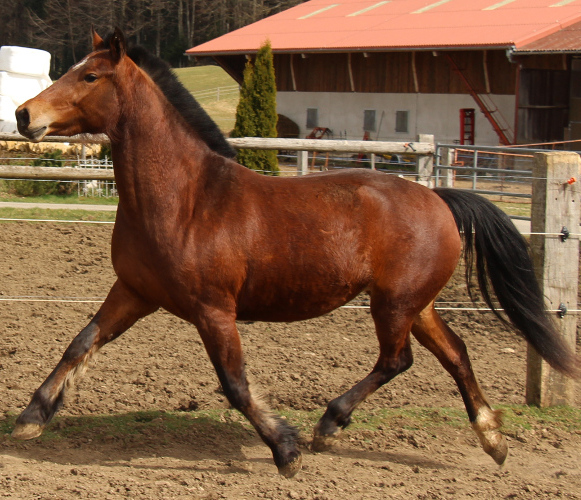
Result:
[
  {"x": 323, "y": 443},
  {"x": 27, "y": 431},
  {"x": 493, "y": 442},
  {"x": 292, "y": 468},
  {"x": 499, "y": 452}
]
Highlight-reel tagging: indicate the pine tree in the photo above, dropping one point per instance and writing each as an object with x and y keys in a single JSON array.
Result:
[
  {"x": 264, "y": 104},
  {"x": 245, "y": 125},
  {"x": 256, "y": 112}
]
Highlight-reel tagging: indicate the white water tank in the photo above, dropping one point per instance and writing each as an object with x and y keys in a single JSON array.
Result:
[{"x": 23, "y": 75}]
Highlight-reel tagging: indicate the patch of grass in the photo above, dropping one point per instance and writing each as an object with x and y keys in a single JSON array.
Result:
[
  {"x": 214, "y": 422},
  {"x": 565, "y": 418},
  {"x": 410, "y": 418},
  {"x": 199, "y": 78},
  {"x": 101, "y": 428},
  {"x": 57, "y": 199},
  {"x": 522, "y": 209},
  {"x": 223, "y": 112},
  {"x": 56, "y": 214},
  {"x": 204, "y": 78}
]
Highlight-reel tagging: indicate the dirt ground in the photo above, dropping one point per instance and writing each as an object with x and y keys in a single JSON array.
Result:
[{"x": 160, "y": 365}]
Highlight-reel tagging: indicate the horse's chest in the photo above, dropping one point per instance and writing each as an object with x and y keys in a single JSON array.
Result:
[{"x": 141, "y": 263}]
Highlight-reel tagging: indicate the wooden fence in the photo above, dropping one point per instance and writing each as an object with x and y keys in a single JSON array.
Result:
[
  {"x": 423, "y": 150},
  {"x": 554, "y": 238}
]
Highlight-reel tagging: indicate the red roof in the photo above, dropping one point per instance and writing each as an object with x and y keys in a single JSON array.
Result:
[{"x": 340, "y": 25}]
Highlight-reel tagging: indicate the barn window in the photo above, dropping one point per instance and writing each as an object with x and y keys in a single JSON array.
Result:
[
  {"x": 312, "y": 117},
  {"x": 369, "y": 120},
  {"x": 401, "y": 121}
]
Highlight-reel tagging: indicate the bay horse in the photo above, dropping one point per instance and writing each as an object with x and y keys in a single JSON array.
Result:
[{"x": 214, "y": 242}]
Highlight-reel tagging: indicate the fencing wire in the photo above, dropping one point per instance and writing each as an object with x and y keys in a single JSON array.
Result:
[
  {"x": 347, "y": 306},
  {"x": 100, "y": 300},
  {"x": 7, "y": 219}
]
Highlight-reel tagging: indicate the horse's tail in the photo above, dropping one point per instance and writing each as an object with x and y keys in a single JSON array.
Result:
[{"x": 503, "y": 261}]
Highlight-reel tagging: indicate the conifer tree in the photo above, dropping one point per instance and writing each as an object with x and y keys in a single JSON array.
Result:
[
  {"x": 245, "y": 125},
  {"x": 264, "y": 104},
  {"x": 256, "y": 113}
]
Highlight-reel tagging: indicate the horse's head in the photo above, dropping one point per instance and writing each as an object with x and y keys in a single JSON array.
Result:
[{"x": 84, "y": 100}]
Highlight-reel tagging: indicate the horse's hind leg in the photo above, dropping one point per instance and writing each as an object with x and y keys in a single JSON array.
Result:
[
  {"x": 120, "y": 310},
  {"x": 222, "y": 341},
  {"x": 395, "y": 356},
  {"x": 434, "y": 334}
]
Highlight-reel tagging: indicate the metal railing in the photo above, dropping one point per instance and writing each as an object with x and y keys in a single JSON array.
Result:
[{"x": 501, "y": 173}]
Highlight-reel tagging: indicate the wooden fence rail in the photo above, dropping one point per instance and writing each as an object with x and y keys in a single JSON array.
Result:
[
  {"x": 334, "y": 146},
  {"x": 378, "y": 147},
  {"x": 77, "y": 139},
  {"x": 423, "y": 149},
  {"x": 55, "y": 173}
]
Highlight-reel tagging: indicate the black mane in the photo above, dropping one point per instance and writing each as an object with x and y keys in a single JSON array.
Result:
[{"x": 196, "y": 117}]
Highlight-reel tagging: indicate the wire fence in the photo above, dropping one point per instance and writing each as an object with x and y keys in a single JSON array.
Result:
[
  {"x": 96, "y": 188},
  {"x": 357, "y": 303},
  {"x": 396, "y": 164},
  {"x": 218, "y": 93}
]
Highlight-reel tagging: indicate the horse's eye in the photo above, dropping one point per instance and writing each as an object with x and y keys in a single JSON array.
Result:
[{"x": 90, "y": 77}]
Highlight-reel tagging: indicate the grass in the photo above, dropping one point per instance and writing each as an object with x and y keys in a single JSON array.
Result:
[
  {"x": 204, "y": 78},
  {"x": 521, "y": 209},
  {"x": 176, "y": 425},
  {"x": 200, "y": 78},
  {"x": 109, "y": 216},
  {"x": 56, "y": 214},
  {"x": 155, "y": 424},
  {"x": 52, "y": 198}
]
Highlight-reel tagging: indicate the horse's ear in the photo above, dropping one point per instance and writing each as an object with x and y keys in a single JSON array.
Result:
[
  {"x": 98, "y": 42},
  {"x": 118, "y": 47}
]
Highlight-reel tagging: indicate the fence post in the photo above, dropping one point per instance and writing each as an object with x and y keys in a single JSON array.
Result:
[
  {"x": 446, "y": 160},
  {"x": 302, "y": 162},
  {"x": 555, "y": 205},
  {"x": 425, "y": 163}
]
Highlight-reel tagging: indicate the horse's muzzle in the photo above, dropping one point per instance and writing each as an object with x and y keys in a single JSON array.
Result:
[
  {"x": 23, "y": 124},
  {"x": 22, "y": 120}
]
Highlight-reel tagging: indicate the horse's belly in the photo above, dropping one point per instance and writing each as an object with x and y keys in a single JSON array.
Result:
[{"x": 288, "y": 301}]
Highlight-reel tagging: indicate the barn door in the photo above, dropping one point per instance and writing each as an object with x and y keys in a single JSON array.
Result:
[
  {"x": 543, "y": 105},
  {"x": 574, "y": 130}
]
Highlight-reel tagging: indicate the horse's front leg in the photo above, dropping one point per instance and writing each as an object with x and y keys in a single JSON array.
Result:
[
  {"x": 222, "y": 341},
  {"x": 121, "y": 309}
]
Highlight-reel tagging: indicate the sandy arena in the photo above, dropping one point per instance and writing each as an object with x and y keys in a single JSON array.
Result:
[{"x": 160, "y": 364}]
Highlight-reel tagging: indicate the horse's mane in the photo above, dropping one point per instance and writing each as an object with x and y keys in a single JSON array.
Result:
[{"x": 194, "y": 115}]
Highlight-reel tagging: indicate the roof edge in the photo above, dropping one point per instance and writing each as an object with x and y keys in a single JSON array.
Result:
[{"x": 439, "y": 48}]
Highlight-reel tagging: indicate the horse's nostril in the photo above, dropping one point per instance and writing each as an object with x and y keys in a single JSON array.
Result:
[{"x": 22, "y": 118}]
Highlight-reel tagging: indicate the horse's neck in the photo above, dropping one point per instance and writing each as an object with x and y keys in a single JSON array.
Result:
[{"x": 156, "y": 158}]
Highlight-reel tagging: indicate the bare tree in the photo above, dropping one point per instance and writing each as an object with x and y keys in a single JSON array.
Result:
[{"x": 167, "y": 27}]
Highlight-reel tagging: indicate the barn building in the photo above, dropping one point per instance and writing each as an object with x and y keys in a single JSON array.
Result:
[{"x": 468, "y": 71}]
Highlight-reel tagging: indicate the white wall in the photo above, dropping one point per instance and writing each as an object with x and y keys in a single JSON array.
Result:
[{"x": 437, "y": 114}]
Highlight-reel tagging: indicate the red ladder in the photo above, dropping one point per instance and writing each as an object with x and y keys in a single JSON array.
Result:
[{"x": 504, "y": 140}]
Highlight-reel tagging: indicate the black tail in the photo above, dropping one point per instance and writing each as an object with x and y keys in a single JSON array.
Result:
[{"x": 503, "y": 261}]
